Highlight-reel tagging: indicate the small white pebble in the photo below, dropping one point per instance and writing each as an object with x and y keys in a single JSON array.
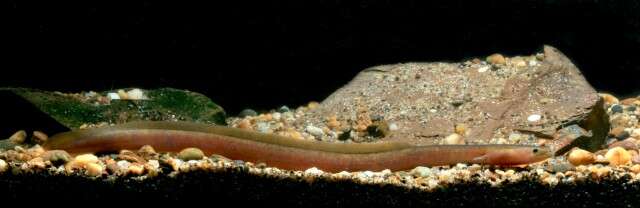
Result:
[
  {"x": 313, "y": 171},
  {"x": 3, "y": 166},
  {"x": 123, "y": 164},
  {"x": 393, "y": 127},
  {"x": 315, "y": 131},
  {"x": 534, "y": 118},
  {"x": 483, "y": 69},
  {"x": 461, "y": 166},
  {"x": 421, "y": 171},
  {"x": 113, "y": 96},
  {"x": 90, "y": 94},
  {"x": 136, "y": 94},
  {"x": 540, "y": 171},
  {"x": 433, "y": 110},
  {"x": 533, "y": 62}
]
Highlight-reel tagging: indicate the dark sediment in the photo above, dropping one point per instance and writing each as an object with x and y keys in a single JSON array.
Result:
[{"x": 239, "y": 186}]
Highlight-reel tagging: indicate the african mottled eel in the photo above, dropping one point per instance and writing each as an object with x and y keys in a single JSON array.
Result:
[{"x": 288, "y": 153}]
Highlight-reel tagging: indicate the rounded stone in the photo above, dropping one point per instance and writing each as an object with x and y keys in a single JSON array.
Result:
[
  {"x": 3, "y": 166},
  {"x": 284, "y": 109},
  {"x": 616, "y": 108},
  {"x": 581, "y": 157},
  {"x": 618, "y": 156},
  {"x": 247, "y": 112},
  {"x": 496, "y": 58},
  {"x": 18, "y": 137},
  {"x": 39, "y": 137},
  {"x": 94, "y": 169},
  {"x": 191, "y": 153},
  {"x": 421, "y": 171}
]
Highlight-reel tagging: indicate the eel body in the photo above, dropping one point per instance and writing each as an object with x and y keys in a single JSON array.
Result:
[{"x": 288, "y": 153}]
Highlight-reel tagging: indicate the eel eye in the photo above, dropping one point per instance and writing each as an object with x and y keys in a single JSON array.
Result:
[{"x": 535, "y": 150}]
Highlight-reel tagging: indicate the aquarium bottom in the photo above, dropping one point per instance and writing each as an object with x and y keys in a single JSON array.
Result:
[{"x": 240, "y": 187}]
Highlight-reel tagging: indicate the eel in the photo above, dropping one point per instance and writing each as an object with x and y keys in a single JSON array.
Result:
[{"x": 288, "y": 153}]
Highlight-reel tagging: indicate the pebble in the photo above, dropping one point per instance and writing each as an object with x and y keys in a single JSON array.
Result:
[
  {"x": 247, "y": 112},
  {"x": 85, "y": 158},
  {"x": 333, "y": 123},
  {"x": 496, "y": 58},
  {"x": 616, "y": 109},
  {"x": 130, "y": 156},
  {"x": 123, "y": 95},
  {"x": 94, "y": 169},
  {"x": 39, "y": 137},
  {"x": 609, "y": 99},
  {"x": 620, "y": 120},
  {"x": 618, "y": 156},
  {"x": 628, "y": 101},
  {"x": 136, "y": 94},
  {"x": 263, "y": 127},
  {"x": 18, "y": 137},
  {"x": 559, "y": 166},
  {"x": 245, "y": 124},
  {"x": 191, "y": 153},
  {"x": 635, "y": 168},
  {"x": 393, "y": 127},
  {"x": 581, "y": 157},
  {"x": 123, "y": 164},
  {"x": 315, "y": 131},
  {"x": 421, "y": 171},
  {"x": 481, "y": 70},
  {"x": 284, "y": 109},
  {"x": 113, "y": 96},
  {"x": 534, "y": 118},
  {"x": 147, "y": 152},
  {"x": 454, "y": 139},
  {"x": 635, "y": 133},
  {"x": 313, "y": 105},
  {"x": 136, "y": 169},
  {"x": 81, "y": 161},
  {"x": 313, "y": 171},
  {"x": 57, "y": 157},
  {"x": 3, "y": 166},
  {"x": 628, "y": 144},
  {"x": 619, "y": 133}
]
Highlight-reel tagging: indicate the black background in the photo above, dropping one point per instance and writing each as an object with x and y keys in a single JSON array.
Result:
[{"x": 265, "y": 54}]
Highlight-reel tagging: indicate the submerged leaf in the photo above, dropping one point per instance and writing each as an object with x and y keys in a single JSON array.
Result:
[{"x": 73, "y": 110}]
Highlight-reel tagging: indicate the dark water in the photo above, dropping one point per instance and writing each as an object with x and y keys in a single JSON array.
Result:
[{"x": 266, "y": 54}]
